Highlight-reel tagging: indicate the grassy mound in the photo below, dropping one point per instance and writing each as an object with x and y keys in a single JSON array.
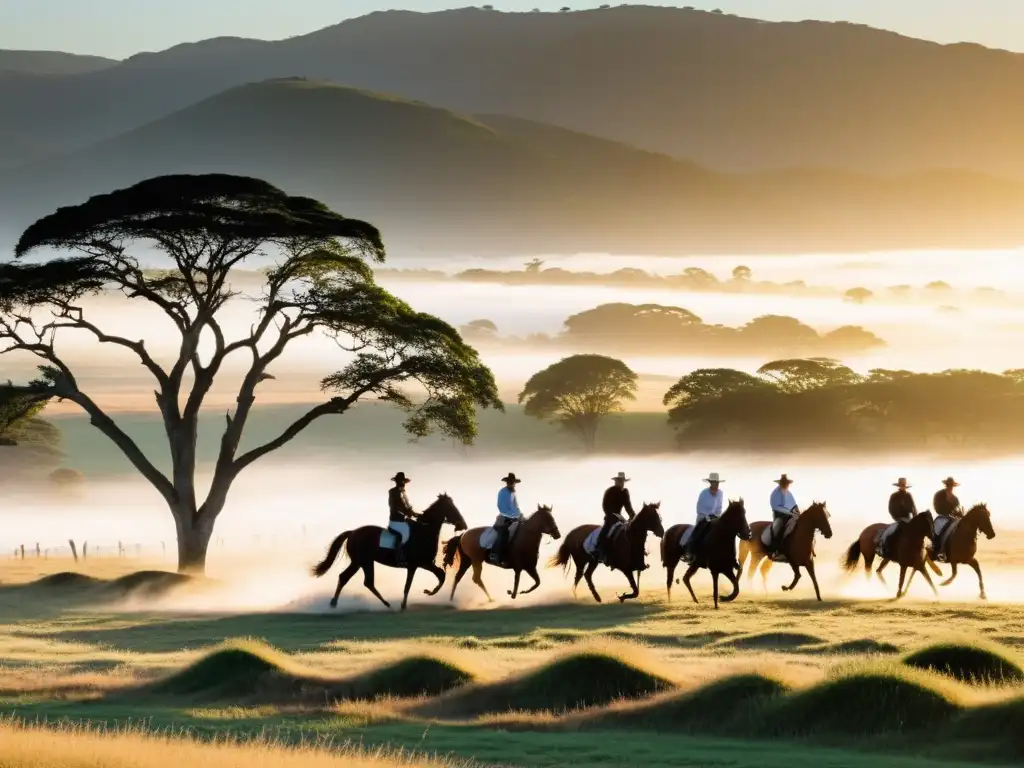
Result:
[
  {"x": 860, "y": 704},
  {"x": 409, "y": 678},
  {"x": 584, "y": 679},
  {"x": 149, "y": 583},
  {"x": 766, "y": 641},
  {"x": 968, "y": 663},
  {"x": 230, "y": 673},
  {"x": 710, "y": 708},
  {"x": 862, "y": 645},
  {"x": 67, "y": 580}
]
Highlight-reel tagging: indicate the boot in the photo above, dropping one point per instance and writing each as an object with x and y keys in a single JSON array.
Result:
[
  {"x": 599, "y": 548},
  {"x": 400, "y": 559}
]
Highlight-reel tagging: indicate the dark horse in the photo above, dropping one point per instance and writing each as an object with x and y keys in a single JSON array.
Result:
[
  {"x": 523, "y": 552},
  {"x": 962, "y": 544},
  {"x": 421, "y": 550},
  {"x": 907, "y": 544},
  {"x": 625, "y": 551},
  {"x": 797, "y": 548},
  {"x": 717, "y": 552}
]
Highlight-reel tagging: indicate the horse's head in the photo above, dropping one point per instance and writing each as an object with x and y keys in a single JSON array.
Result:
[
  {"x": 545, "y": 518},
  {"x": 448, "y": 512},
  {"x": 982, "y": 518},
  {"x": 736, "y": 514},
  {"x": 649, "y": 517},
  {"x": 818, "y": 516}
]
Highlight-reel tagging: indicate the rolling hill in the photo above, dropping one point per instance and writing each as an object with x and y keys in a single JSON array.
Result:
[
  {"x": 730, "y": 93},
  {"x": 51, "y": 62},
  {"x": 434, "y": 179}
]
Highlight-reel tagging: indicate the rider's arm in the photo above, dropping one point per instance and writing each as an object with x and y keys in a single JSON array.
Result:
[
  {"x": 629, "y": 504},
  {"x": 778, "y": 502},
  {"x": 718, "y": 504}
]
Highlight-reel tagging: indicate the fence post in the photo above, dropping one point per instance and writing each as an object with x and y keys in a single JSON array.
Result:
[
  {"x": 74, "y": 552},
  {"x": 85, "y": 549}
]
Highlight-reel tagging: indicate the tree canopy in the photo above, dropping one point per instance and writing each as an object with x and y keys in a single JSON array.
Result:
[
  {"x": 578, "y": 392},
  {"x": 319, "y": 281}
]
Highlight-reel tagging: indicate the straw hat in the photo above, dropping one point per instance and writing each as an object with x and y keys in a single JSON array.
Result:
[
  {"x": 713, "y": 478},
  {"x": 621, "y": 476},
  {"x": 901, "y": 483}
]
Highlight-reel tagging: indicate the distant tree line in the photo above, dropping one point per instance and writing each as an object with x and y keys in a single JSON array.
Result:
[
  {"x": 666, "y": 330},
  {"x": 790, "y": 404}
]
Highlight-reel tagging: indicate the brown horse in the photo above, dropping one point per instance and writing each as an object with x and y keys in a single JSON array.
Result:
[
  {"x": 717, "y": 552},
  {"x": 363, "y": 548},
  {"x": 625, "y": 552},
  {"x": 523, "y": 552},
  {"x": 908, "y": 545},
  {"x": 797, "y": 549},
  {"x": 962, "y": 545}
]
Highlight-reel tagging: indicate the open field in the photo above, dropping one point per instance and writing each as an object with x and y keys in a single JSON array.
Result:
[{"x": 762, "y": 682}]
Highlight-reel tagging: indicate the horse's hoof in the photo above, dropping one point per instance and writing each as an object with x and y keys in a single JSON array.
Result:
[
  {"x": 786, "y": 589},
  {"x": 983, "y": 596},
  {"x": 334, "y": 603}
]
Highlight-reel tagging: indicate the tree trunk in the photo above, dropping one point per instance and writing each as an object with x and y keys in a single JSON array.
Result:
[{"x": 194, "y": 534}]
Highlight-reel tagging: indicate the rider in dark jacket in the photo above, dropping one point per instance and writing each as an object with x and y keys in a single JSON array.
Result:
[
  {"x": 947, "y": 508},
  {"x": 400, "y": 511},
  {"x": 901, "y": 509},
  {"x": 616, "y": 499}
]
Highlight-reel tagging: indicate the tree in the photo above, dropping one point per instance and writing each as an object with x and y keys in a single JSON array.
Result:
[
  {"x": 939, "y": 286},
  {"x": 578, "y": 392},
  {"x": 742, "y": 274},
  {"x": 858, "y": 295},
  {"x": 707, "y": 384},
  {"x": 850, "y": 338},
  {"x": 699, "y": 278},
  {"x": 480, "y": 329},
  {"x": 534, "y": 265},
  {"x": 319, "y": 281},
  {"x": 793, "y": 376}
]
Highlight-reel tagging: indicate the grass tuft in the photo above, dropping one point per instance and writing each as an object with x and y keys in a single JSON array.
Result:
[{"x": 970, "y": 663}]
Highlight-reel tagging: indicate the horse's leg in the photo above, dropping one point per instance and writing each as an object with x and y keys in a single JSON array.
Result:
[
  {"x": 952, "y": 576},
  {"x": 869, "y": 558},
  {"x": 579, "y": 575},
  {"x": 368, "y": 583},
  {"x": 814, "y": 578},
  {"x": 928, "y": 578},
  {"x": 686, "y": 580},
  {"x": 464, "y": 565},
  {"x": 343, "y": 579},
  {"x": 903, "y": 575},
  {"x": 878, "y": 572},
  {"x": 735, "y": 588},
  {"x": 745, "y": 549},
  {"x": 515, "y": 584},
  {"x": 670, "y": 571},
  {"x": 410, "y": 573},
  {"x": 634, "y": 585},
  {"x": 439, "y": 573},
  {"x": 796, "y": 578},
  {"x": 757, "y": 560},
  {"x": 588, "y": 574},
  {"x": 714, "y": 583},
  {"x": 532, "y": 573},
  {"x": 973, "y": 562},
  {"x": 766, "y": 565},
  {"x": 477, "y": 569}
]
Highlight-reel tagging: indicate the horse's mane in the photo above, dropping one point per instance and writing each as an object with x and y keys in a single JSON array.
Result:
[{"x": 979, "y": 507}]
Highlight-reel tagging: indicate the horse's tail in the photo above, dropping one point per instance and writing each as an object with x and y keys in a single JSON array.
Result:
[
  {"x": 849, "y": 561},
  {"x": 332, "y": 554},
  {"x": 451, "y": 551},
  {"x": 563, "y": 556}
]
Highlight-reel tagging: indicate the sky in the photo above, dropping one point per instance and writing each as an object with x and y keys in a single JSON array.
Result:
[{"x": 119, "y": 28}]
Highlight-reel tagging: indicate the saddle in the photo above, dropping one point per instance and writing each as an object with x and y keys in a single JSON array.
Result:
[
  {"x": 590, "y": 544},
  {"x": 787, "y": 530},
  {"x": 396, "y": 533},
  {"x": 942, "y": 537},
  {"x": 489, "y": 538},
  {"x": 684, "y": 541}
]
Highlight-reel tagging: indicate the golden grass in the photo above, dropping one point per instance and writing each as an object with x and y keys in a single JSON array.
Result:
[{"x": 33, "y": 747}]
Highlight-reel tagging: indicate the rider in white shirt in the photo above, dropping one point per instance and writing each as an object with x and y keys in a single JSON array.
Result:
[
  {"x": 783, "y": 509},
  {"x": 709, "y": 507}
]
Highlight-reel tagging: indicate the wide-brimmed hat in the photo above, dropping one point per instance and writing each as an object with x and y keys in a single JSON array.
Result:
[
  {"x": 901, "y": 483},
  {"x": 713, "y": 478},
  {"x": 621, "y": 476},
  {"x": 400, "y": 478},
  {"x": 784, "y": 480},
  {"x": 949, "y": 482},
  {"x": 511, "y": 478}
]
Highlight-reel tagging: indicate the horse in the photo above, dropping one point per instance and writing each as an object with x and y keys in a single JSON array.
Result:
[
  {"x": 962, "y": 544},
  {"x": 717, "y": 552},
  {"x": 626, "y": 550},
  {"x": 364, "y": 549},
  {"x": 908, "y": 544},
  {"x": 523, "y": 552},
  {"x": 797, "y": 548}
]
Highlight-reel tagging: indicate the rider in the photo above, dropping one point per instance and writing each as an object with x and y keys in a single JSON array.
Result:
[
  {"x": 401, "y": 514},
  {"x": 947, "y": 508},
  {"x": 508, "y": 513},
  {"x": 709, "y": 507},
  {"x": 901, "y": 508},
  {"x": 784, "y": 508},
  {"x": 616, "y": 499}
]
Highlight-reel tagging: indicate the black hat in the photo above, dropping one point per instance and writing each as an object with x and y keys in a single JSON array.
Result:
[
  {"x": 511, "y": 478},
  {"x": 400, "y": 478},
  {"x": 783, "y": 480}
]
